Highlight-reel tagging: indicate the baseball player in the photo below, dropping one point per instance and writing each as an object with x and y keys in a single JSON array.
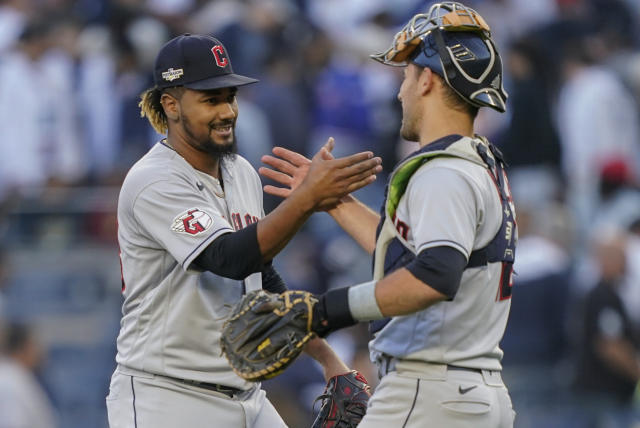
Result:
[
  {"x": 444, "y": 243},
  {"x": 193, "y": 239}
]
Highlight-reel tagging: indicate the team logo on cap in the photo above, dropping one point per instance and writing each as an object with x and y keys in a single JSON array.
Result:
[
  {"x": 192, "y": 222},
  {"x": 171, "y": 74},
  {"x": 218, "y": 54}
]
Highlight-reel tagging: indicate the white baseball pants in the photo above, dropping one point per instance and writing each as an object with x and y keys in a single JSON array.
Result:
[
  {"x": 150, "y": 401},
  {"x": 419, "y": 395}
]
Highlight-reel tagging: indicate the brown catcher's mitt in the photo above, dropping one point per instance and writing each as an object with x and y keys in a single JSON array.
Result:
[
  {"x": 266, "y": 332},
  {"x": 344, "y": 401}
]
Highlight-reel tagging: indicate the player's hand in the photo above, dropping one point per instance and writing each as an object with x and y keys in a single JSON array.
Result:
[
  {"x": 327, "y": 178},
  {"x": 289, "y": 169}
]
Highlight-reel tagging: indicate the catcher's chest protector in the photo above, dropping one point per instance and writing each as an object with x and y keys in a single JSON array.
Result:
[{"x": 393, "y": 251}]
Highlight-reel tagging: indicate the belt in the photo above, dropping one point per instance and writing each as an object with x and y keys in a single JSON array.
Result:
[
  {"x": 387, "y": 364},
  {"x": 223, "y": 389},
  {"x": 466, "y": 369}
]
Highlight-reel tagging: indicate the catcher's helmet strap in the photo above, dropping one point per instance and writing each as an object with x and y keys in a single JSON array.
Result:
[{"x": 447, "y": 64}]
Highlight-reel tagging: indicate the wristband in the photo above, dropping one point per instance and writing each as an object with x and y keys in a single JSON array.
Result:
[
  {"x": 362, "y": 302},
  {"x": 332, "y": 312}
]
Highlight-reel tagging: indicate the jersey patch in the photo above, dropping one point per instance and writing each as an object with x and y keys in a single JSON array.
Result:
[{"x": 192, "y": 222}]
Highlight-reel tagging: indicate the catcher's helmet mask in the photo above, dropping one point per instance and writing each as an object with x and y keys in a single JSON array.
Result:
[{"x": 454, "y": 42}]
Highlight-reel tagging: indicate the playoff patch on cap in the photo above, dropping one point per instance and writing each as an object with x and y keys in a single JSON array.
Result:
[
  {"x": 196, "y": 62},
  {"x": 171, "y": 74}
]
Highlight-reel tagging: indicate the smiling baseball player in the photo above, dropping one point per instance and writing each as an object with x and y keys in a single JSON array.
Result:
[{"x": 193, "y": 239}]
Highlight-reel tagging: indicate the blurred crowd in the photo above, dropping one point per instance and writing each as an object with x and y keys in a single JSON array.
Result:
[{"x": 72, "y": 71}]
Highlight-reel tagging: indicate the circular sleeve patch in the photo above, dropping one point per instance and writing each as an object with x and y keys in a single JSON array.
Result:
[{"x": 192, "y": 222}]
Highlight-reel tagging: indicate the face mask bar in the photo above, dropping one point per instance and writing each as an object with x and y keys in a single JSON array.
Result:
[{"x": 447, "y": 16}]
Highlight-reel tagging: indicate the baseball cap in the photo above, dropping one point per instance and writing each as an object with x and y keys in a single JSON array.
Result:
[{"x": 196, "y": 62}]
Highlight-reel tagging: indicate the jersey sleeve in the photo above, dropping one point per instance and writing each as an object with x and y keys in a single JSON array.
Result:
[
  {"x": 179, "y": 219},
  {"x": 443, "y": 210}
]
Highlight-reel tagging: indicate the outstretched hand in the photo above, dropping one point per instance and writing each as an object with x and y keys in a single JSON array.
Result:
[
  {"x": 329, "y": 178},
  {"x": 289, "y": 168}
]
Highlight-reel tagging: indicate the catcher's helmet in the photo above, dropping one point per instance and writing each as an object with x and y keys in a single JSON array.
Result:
[{"x": 454, "y": 42}]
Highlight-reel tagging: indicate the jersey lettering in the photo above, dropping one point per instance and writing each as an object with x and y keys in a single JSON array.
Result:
[
  {"x": 248, "y": 219},
  {"x": 502, "y": 247},
  {"x": 401, "y": 227},
  {"x": 506, "y": 281},
  {"x": 237, "y": 221},
  {"x": 236, "y": 218}
]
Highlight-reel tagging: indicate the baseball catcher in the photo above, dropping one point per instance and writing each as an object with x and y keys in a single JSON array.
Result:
[{"x": 443, "y": 244}]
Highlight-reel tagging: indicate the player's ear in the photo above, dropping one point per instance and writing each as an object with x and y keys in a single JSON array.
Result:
[
  {"x": 425, "y": 80},
  {"x": 170, "y": 105}
]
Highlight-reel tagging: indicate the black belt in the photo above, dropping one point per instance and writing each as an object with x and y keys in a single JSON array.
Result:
[
  {"x": 466, "y": 369},
  {"x": 223, "y": 389}
]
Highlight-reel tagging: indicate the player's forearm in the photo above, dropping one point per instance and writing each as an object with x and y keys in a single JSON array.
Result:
[
  {"x": 401, "y": 293},
  {"x": 397, "y": 294},
  {"x": 332, "y": 365},
  {"x": 279, "y": 226},
  {"x": 357, "y": 220},
  {"x": 433, "y": 276}
]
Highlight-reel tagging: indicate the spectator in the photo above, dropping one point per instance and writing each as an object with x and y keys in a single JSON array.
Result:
[
  {"x": 13, "y": 17},
  {"x": 619, "y": 195},
  {"x": 37, "y": 115},
  {"x": 630, "y": 290},
  {"x": 597, "y": 119},
  {"x": 608, "y": 366},
  {"x": 531, "y": 138},
  {"x": 23, "y": 401},
  {"x": 536, "y": 334}
]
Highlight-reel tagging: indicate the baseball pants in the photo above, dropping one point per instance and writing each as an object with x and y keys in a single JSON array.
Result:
[
  {"x": 150, "y": 401},
  {"x": 418, "y": 395}
]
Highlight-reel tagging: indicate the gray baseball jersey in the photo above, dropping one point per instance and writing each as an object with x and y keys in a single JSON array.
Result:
[
  {"x": 168, "y": 213},
  {"x": 451, "y": 201}
]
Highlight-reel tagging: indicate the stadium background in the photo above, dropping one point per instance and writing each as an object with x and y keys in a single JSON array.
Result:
[{"x": 71, "y": 72}]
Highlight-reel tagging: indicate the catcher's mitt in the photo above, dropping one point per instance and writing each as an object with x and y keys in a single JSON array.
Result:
[
  {"x": 344, "y": 401},
  {"x": 266, "y": 332}
]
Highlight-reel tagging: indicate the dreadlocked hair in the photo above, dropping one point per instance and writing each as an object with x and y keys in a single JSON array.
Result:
[{"x": 151, "y": 107}]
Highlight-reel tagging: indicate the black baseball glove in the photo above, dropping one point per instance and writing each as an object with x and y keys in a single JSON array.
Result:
[
  {"x": 344, "y": 401},
  {"x": 266, "y": 332}
]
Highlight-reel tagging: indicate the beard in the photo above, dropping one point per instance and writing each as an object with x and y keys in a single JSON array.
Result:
[
  {"x": 206, "y": 144},
  {"x": 225, "y": 150},
  {"x": 408, "y": 133},
  {"x": 409, "y": 130}
]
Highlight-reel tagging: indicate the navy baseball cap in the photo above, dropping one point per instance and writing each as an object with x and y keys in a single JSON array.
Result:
[{"x": 196, "y": 62}]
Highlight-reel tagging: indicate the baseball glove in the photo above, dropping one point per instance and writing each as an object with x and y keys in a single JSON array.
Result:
[
  {"x": 266, "y": 332},
  {"x": 344, "y": 401}
]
